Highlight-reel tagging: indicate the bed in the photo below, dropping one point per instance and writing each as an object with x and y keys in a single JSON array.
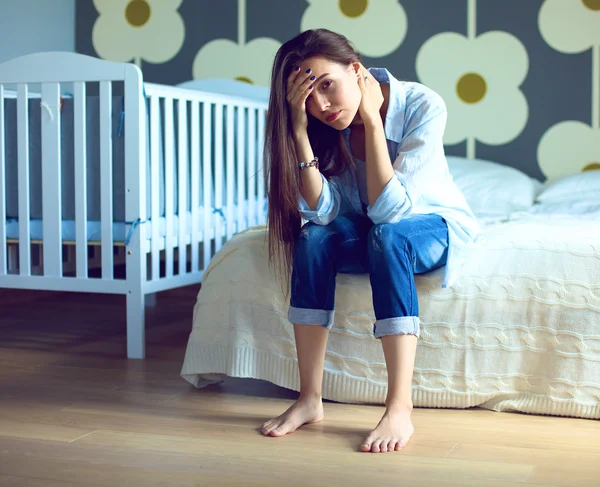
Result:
[
  {"x": 519, "y": 331},
  {"x": 112, "y": 185}
]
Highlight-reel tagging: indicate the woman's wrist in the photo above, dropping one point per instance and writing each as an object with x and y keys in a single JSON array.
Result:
[
  {"x": 300, "y": 136},
  {"x": 304, "y": 152},
  {"x": 374, "y": 121}
]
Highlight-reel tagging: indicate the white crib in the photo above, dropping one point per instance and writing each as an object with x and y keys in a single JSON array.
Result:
[{"x": 178, "y": 173}]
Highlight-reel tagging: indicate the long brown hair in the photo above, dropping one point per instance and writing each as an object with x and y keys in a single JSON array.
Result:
[{"x": 281, "y": 162}]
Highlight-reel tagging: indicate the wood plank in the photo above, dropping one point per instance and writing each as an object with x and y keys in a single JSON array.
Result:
[
  {"x": 99, "y": 465},
  {"x": 21, "y": 429},
  {"x": 12, "y": 481},
  {"x": 560, "y": 466},
  {"x": 293, "y": 451}
]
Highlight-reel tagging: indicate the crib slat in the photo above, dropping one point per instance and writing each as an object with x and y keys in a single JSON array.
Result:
[
  {"x": 219, "y": 162},
  {"x": 79, "y": 106},
  {"x": 251, "y": 157},
  {"x": 206, "y": 183},
  {"x": 195, "y": 187},
  {"x": 154, "y": 194},
  {"x": 51, "y": 187},
  {"x": 23, "y": 178},
  {"x": 241, "y": 168},
  {"x": 106, "y": 179},
  {"x": 3, "y": 253},
  {"x": 262, "y": 115},
  {"x": 230, "y": 175},
  {"x": 182, "y": 186},
  {"x": 169, "y": 176}
]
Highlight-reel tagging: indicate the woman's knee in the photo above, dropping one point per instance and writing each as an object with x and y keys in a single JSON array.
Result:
[
  {"x": 312, "y": 233},
  {"x": 387, "y": 238},
  {"x": 313, "y": 238}
]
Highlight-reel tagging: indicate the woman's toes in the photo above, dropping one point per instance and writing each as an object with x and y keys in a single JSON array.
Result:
[
  {"x": 393, "y": 445},
  {"x": 268, "y": 427},
  {"x": 276, "y": 431},
  {"x": 366, "y": 446},
  {"x": 376, "y": 448}
]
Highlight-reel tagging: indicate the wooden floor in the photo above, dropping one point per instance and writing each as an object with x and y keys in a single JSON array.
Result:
[{"x": 75, "y": 412}]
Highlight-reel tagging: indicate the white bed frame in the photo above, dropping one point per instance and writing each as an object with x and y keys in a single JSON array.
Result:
[{"x": 185, "y": 253}]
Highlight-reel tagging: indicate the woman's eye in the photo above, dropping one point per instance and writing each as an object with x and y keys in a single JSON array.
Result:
[{"x": 326, "y": 85}]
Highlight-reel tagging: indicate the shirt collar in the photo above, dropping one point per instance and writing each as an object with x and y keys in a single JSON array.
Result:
[{"x": 394, "y": 119}]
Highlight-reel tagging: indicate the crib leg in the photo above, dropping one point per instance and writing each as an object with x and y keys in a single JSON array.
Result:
[
  {"x": 151, "y": 300},
  {"x": 136, "y": 340}
]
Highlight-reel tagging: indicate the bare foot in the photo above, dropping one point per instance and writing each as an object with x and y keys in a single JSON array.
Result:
[
  {"x": 393, "y": 431},
  {"x": 303, "y": 411}
]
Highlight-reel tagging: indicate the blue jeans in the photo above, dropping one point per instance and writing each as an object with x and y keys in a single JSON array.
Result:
[{"x": 392, "y": 253}]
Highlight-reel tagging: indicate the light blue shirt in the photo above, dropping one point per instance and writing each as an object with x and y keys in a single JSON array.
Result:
[{"x": 414, "y": 128}]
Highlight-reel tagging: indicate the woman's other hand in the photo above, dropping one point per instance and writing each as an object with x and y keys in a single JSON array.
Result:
[{"x": 372, "y": 96}]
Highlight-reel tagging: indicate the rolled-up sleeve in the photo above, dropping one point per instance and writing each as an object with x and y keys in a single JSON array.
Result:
[
  {"x": 415, "y": 164},
  {"x": 328, "y": 206}
]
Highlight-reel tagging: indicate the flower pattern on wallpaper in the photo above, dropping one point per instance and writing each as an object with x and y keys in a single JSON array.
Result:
[
  {"x": 479, "y": 80},
  {"x": 149, "y": 30},
  {"x": 567, "y": 148},
  {"x": 572, "y": 27},
  {"x": 250, "y": 62},
  {"x": 243, "y": 61},
  {"x": 376, "y": 28}
]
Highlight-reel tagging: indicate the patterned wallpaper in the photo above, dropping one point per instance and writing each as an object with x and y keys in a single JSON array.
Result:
[{"x": 521, "y": 78}]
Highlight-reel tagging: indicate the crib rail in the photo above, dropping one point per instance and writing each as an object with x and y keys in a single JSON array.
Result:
[{"x": 211, "y": 146}]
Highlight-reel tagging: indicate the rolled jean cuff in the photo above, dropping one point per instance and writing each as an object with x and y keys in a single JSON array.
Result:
[
  {"x": 303, "y": 316},
  {"x": 405, "y": 325}
]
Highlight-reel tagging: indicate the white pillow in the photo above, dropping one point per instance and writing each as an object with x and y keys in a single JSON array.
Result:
[
  {"x": 491, "y": 189},
  {"x": 578, "y": 209},
  {"x": 580, "y": 186}
]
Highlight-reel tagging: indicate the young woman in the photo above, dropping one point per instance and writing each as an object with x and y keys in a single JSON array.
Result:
[{"x": 359, "y": 155}]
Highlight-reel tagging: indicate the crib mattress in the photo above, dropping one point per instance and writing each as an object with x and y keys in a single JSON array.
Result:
[{"x": 520, "y": 329}]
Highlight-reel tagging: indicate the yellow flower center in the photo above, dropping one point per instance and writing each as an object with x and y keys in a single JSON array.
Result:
[
  {"x": 353, "y": 8},
  {"x": 471, "y": 88},
  {"x": 245, "y": 80},
  {"x": 137, "y": 12},
  {"x": 593, "y": 166},
  {"x": 592, "y": 4}
]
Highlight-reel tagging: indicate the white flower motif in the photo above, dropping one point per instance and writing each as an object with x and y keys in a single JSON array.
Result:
[
  {"x": 568, "y": 148},
  {"x": 479, "y": 81},
  {"x": 250, "y": 62},
  {"x": 376, "y": 28},
  {"x": 151, "y": 30},
  {"x": 570, "y": 26}
]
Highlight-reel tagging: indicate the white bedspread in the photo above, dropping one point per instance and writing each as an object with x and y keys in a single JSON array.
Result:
[{"x": 520, "y": 330}]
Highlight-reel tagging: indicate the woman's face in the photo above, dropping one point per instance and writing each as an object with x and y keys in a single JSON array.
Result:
[{"x": 336, "y": 95}]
